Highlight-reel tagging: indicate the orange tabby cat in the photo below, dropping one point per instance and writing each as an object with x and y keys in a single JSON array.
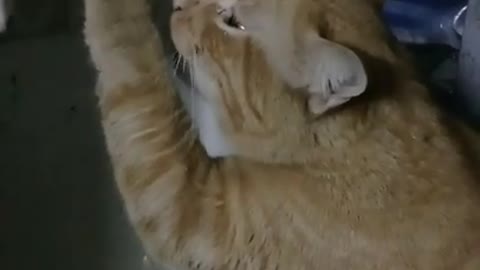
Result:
[{"x": 380, "y": 183}]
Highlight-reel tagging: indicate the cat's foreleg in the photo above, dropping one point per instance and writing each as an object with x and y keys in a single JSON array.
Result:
[{"x": 156, "y": 157}]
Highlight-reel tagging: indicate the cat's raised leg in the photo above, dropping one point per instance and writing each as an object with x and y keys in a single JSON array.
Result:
[{"x": 158, "y": 162}]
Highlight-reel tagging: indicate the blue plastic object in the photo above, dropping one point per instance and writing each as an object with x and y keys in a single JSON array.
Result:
[{"x": 427, "y": 21}]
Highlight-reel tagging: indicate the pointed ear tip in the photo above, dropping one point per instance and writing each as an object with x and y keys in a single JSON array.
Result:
[
  {"x": 361, "y": 73},
  {"x": 361, "y": 83}
]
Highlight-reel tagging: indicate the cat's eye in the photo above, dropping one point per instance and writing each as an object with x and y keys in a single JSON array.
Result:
[
  {"x": 233, "y": 22},
  {"x": 230, "y": 20}
]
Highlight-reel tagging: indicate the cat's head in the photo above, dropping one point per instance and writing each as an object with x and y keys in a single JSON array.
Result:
[
  {"x": 300, "y": 41},
  {"x": 249, "y": 54},
  {"x": 231, "y": 71},
  {"x": 224, "y": 61}
]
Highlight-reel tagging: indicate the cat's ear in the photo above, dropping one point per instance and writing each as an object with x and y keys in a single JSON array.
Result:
[{"x": 336, "y": 75}]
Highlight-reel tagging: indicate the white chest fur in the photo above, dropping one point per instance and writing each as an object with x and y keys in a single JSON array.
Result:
[{"x": 205, "y": 120}]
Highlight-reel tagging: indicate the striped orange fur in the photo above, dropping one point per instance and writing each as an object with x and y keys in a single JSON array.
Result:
[{"x": 380, "y": 183}]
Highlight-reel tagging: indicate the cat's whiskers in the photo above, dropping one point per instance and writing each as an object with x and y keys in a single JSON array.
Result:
[
  {"x": 184, "y": 63},
  {"x": 177, "y": 58},
  {"x": 191, "y": 72},
  {"x": 181, "y": 62}
]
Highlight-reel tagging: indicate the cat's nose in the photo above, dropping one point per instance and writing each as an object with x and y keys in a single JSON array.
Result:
[{"x": 179, "y": 5}]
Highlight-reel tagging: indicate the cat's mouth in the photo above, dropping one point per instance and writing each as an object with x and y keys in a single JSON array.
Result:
[{"x": 229, "y": 18}]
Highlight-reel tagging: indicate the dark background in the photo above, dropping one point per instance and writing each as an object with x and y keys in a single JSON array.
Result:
[{"x": 59, "y": 208}]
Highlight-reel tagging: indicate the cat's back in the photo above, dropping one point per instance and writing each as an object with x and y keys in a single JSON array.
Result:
[{"x": 405, "y": 195}]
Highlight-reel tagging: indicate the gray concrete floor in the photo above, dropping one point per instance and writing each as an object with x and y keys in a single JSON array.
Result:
[{"x": 59, "y": 208}]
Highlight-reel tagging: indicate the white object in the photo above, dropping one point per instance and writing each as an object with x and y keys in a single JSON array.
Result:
[
  {"x": 5, "y": 12},
  {"x": 469, "y": 62}
]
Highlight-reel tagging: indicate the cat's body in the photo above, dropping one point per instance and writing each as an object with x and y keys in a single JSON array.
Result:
[{"x": 380, "y": 183}]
